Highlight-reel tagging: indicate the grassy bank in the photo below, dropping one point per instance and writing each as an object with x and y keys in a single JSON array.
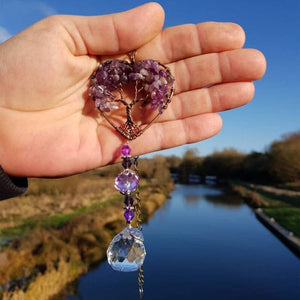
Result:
[
  {"x": 61, "y": 228},
  {"x": 283, "y": 205}
]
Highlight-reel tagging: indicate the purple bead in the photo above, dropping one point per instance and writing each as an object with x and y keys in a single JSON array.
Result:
[
  {"x": 129, "y": 214},
  {"x": 128, "y": 200},
  {"x": 126, "y": 181},
  {"x": 125, "y": 150},
  {"x": 126, "y": 162}
]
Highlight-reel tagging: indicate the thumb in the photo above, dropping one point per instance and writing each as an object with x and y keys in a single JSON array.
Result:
[{"x": 116, "y": 33}]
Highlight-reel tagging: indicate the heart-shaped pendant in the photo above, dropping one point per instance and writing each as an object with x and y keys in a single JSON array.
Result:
[{"x": 131, "y": 95}]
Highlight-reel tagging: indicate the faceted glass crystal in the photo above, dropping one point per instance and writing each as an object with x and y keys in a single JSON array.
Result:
[
  {"x": 125, "y": 150},
  {"x": 126, "y": 181},
  {"x": 128, "y": 200},
  {"x": 129, "y": 214},
  {"x": 126, "y": 252},
  {"x": 127, "y": 162}
]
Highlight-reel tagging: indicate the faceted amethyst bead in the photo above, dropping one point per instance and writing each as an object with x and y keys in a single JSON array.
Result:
[
  {"x": 128, "y": 200},
  {"x": 125, "y": 150},
  {"x": 129, "y": 214},
  {"x": 126, "y": 181}
]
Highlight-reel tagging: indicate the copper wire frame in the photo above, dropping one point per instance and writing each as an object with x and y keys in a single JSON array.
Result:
[{"x": 129, "y": 129}]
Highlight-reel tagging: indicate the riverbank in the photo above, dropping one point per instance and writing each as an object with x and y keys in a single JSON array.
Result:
[
  {"x": 286, "y": 236},
  {"x": 61, "y": 228},
  {"x": 279, "y": 209},
  {"x": 199, "y": 235}
]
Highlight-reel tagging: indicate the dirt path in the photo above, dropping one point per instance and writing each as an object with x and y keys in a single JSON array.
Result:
[{"x": 276, "y": 191}]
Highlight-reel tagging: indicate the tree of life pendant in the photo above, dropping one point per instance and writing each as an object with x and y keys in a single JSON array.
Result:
[{"x": 130, "y": 96}]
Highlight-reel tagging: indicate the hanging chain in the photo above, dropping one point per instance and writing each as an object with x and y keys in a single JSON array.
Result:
[
  {"x": 138, "y": 206},
  {"x": 141, "y": 282},
  {"x": 138, "y": 211}
]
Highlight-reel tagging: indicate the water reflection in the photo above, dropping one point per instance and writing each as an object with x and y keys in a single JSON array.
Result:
[
  {"x": 192, "y": 199},
  {"x": 229, "y": 201},
  {"x": 215, "y": 196},
  {"x": 203, "y": 245}
]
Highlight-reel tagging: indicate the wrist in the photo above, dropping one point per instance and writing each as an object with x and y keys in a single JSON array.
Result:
[{"x": 11, "y": 186}]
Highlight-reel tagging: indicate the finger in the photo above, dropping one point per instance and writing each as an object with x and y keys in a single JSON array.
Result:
[
  {"x": 213, "y": 99},
  {"x": 115, "y": 33},
  {"x": 178, "y": 132},
  {"x": 158, "y": 137},
  {"x": 189, "y": 40},
  {"x": 213, "y": 68}
]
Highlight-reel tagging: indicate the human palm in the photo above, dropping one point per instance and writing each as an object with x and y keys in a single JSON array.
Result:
[{"x": 50, "y": 127}]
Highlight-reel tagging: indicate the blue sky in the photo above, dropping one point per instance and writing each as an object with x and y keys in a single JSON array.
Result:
[{"x": 271, "y": 26}]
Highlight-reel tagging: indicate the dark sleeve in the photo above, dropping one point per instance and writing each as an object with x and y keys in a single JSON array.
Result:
[{"x": 11, "y": 186}]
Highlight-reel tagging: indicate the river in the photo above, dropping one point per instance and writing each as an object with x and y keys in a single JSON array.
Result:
[{"x": 202, "y": 244}]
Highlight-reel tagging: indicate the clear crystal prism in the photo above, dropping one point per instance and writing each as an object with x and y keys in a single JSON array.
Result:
[{"x": 126, "y": 252}]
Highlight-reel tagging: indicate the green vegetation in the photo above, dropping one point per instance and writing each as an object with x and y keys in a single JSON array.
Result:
[
  {"x": 281, "y": 205},
  {"x": 288, "y": 217},
  {"x": 279, "y": 165},
  {"x": 62, "y": 227},
  {"x": 270, "y": 180},
  {"x": 53, "y": 221}
]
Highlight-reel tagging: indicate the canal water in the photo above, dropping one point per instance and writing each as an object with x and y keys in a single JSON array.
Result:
[{"x": 202, "y": 245}]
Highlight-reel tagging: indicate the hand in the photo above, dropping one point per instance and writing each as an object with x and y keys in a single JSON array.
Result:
[{"x": 49, "y": 126}]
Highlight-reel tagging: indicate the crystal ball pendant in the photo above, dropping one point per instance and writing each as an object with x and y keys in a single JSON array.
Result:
[{"x": 126, "y": 252}]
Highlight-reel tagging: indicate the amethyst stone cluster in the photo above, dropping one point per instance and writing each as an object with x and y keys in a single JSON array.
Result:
[
  {"x": 127, "y": 252},
  {"x": 108, "y": 77},
  {"x": 153, "y": 81}
]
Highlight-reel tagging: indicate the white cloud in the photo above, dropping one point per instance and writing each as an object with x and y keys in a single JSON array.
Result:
[
  {"x": 4, "y": 34},
  {"x": 15, "y": 15}
]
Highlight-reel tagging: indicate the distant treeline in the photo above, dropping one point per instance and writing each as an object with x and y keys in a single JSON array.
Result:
[{"x": 279, "y": 164}]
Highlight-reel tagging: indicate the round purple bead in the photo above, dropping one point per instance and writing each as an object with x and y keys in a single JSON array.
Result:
[
  {"x": 129, "y": 214},
  {"x": 125, "y": 150},
  {"x": 126, "y": 181}
]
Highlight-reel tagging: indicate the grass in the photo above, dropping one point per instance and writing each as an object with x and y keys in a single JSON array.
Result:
[
  {"x": 51, "y": 203},
  {"x": 18, "y": 224},
  {"x": 292, "y": 186},
  {"x": 284, "y": 208},
  {"x": 288, "y": 217},
  {"x": 64, "y": 224},
  {"x": 30, "y": 224},
  {"x": 47, "y": 222},
  {"x": 280, "y": 197}
]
